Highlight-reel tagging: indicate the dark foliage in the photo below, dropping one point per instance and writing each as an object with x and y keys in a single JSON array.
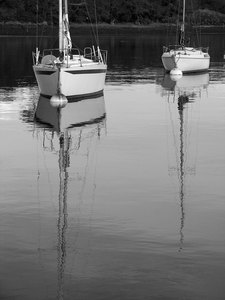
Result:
[{"x": 112, "y": 11}]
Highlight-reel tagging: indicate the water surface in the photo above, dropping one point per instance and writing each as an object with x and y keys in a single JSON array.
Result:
[{"x": 116, "y": 197}]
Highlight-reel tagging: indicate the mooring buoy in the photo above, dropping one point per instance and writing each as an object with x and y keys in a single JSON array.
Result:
[
  {"x": 176, "y": 71},
  {"x": 176, "y": 74},
  {"x": 58, "y": 100}
]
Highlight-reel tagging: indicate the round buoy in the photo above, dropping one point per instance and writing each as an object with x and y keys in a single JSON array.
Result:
[
  {"x": 176, "y": 71},
  {"x": 58, "y": 100},
  {"x": 176, "y": 74},
  {"x": 175, "y": 77}
]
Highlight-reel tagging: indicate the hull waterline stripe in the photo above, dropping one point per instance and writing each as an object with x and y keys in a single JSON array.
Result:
[
  {"x": 76, "y": 98},
  {"x": 86, "y": 71},
  {"x": 72, "y": 72},
  {"x": 193, "y": 71},
  {"x": 180, "y": 57},
  {"x": 45, "y": 72}
]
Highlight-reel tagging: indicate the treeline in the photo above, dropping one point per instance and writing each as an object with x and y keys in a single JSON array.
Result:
[{"x": 208, "y": 12}]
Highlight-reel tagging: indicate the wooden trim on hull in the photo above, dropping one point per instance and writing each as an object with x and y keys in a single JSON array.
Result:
[{"x": 76, "y": 98}]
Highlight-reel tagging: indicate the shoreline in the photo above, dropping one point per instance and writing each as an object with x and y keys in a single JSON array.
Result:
[{"x": 27, "y": 29}]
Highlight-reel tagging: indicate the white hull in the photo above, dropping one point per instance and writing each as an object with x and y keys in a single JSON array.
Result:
[
  {"x": 186, "y": 60},
  {"x": 72, "y": 81}
]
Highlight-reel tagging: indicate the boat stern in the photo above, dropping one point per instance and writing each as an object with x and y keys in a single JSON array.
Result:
[
  {"x": 47, "y": 79},
  {"x": 168, "y": 61}
]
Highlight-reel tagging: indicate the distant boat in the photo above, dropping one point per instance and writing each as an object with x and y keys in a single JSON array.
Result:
[
  {"x": 67, "y": 70},
  {"x": 186, "y": 59}
]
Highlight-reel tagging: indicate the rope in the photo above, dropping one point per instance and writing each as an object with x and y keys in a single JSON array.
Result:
[
  {"x": 198, "y": 34},
  {"x": 37, "y": 17},
  {"x": 178, "y": 23},
  {"x": 44, "y": 18},
  {"x": 92, "y": 27},
  {"x": 96, "y": 23}
]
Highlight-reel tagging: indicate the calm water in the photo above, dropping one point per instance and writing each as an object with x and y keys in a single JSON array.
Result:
[{"x": 117, "y": 197}]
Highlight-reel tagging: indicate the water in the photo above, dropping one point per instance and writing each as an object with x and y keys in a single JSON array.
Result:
[{"x": 118, "y": 197}]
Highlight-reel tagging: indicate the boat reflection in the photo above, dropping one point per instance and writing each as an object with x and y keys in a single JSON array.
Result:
[
  {"x": 191, "y": 85},
  {"x": 78, "y": 120},
  {"x": 74, "y": 114},
  {"x": 183, "y": 99}
]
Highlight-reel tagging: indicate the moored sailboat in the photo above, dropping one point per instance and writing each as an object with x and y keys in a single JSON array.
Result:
[
  {"x": 185, "y": 58},
  {"x": 67, "y": 70}
]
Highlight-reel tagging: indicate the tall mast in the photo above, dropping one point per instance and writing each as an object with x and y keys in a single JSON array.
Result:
[
  {"x": 66, "y": 33},
  {"x": 182, "y": 29},
  {"x": 183, "y": 13},
  {"x": 66, "y": 6},
  {"x": 60, "y": 27}
]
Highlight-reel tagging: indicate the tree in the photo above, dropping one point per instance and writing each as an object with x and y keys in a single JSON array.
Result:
[{"x": 109, "y": 11}]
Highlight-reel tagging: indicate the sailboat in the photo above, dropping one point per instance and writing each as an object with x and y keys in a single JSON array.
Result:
[
  {"x": 69, "y": 71},
  {"x": 186, "y": 59}
]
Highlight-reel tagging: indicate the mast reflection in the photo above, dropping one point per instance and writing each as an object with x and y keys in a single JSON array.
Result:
[
  {"x": 182, "y": 97},
  {"x": 86, "y": 114}
]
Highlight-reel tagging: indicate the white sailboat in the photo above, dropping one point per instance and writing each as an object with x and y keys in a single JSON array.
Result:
[
  {"x": 67, "y": 70},
  {"x": 186, "y": 59}
]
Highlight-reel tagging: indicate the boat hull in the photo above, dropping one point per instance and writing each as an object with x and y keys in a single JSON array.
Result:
[
  {"x": 187, "y": 61},
  {"x": 72, "y": 81}
]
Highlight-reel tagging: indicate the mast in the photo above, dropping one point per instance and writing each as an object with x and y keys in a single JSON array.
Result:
[
  {"x": 66, "y": 34},
  {"x": 60, "y": 28},
  {"x": 183, "y": 14},
  {"x": 182, "y": 29},
  {"x": 66, "y": 7}
]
